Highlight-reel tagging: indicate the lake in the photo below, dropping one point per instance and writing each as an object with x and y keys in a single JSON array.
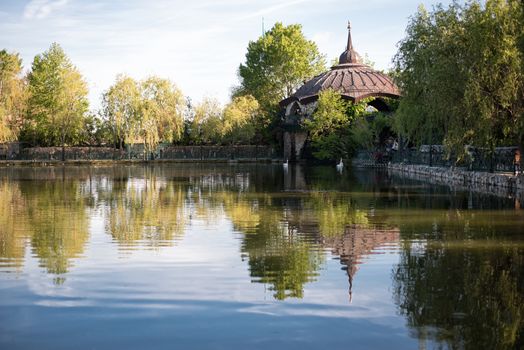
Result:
[{"x": 253, "y": 256}]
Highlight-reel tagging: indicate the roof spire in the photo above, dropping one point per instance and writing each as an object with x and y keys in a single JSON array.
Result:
[
  {"x": 350, "y": 43},
  {"x": 350, "y": 55}
]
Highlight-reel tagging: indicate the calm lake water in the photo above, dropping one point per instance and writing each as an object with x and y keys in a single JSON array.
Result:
[{"x": 254, "y": 257}]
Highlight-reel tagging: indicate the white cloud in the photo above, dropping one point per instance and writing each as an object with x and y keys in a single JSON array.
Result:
[{"x": 42, "y": 8}]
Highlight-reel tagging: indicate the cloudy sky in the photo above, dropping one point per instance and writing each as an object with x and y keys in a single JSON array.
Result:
[{"x": 198, "y": 44}]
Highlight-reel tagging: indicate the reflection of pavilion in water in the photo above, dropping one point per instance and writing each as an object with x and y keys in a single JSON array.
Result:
[
  {"x": 351, "y": 240},
  {"x": 356, "y": 244},
  {"x": 352, "y": 246}
]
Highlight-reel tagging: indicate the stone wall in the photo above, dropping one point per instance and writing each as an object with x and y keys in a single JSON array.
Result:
[
  {"x": 9, "y": 150},
  {"x": 294, "y": 144},
  {"x": 247, "y": 152},
  {"x": 136, "y": 152},
  {"x": 70, "y": 153},
  {"x": 504, "y": 184}
]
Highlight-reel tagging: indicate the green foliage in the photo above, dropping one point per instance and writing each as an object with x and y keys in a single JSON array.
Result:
[
  {"x": 13, "y": 96},
  {"x": 460, "y": 71},
  {"x": 149, "y": 111},
  {"x": 120, "y": 105},
  {"x": 329, "y": 125},
  {"x": 277, "y": 64},
  {"x": 362, "y": 134},
  {"x": 242, "y": 119},
  {"x": 96, "y": 131},
  {"x": 58, "y": 99},
  {"x": 206, "y": 126},
  {"x": 160, "y": 112}
]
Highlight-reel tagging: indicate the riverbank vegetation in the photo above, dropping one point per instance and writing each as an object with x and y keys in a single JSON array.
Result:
[
  {"x": 48, "y": 106},
  {"x": 461, "y": 72},
  {"x": 460, "y": 69}
]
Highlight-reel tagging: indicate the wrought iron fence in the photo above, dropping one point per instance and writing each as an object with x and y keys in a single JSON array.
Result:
[{"x": 502, "y": 159}]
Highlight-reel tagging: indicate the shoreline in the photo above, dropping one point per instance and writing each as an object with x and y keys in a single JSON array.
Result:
[
  {"x": 497, "y": 184},
  {"x": 45, "y": 163}
]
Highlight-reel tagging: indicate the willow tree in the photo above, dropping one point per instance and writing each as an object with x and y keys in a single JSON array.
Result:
[
  {"x": 58, "y": 99},
  {"x": 13, "y": 96},
  {"x": 277, "y": 64},
  {"x": 120, "y": 105},
  {"x": 460, "y": 70},
  {"x": 160, "y": 112}
]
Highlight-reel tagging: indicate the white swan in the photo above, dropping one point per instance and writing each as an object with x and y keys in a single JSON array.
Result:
[{"x": 340, "y": 165}]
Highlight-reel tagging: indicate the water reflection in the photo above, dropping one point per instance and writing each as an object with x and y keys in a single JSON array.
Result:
[
  {"x": 147, "y": 212},
  {"x": 12, "y": 228},
  {"x": 460, "y": 280},
  {"x": 458, "y": 256},
  {"x": 51, "y": 215},
  {"x": 356, "y": 244}
]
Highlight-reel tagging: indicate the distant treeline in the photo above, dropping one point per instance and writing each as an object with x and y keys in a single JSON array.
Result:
[{"x": 49, "y": 107}]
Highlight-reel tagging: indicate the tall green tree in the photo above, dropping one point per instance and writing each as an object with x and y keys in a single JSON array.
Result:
[
  {"x": 460, "y": 71},
  {"x": 13, "y": 96},
  {"x": 120, "y": 104},
  {"x": 277, "y": 64},
  {"x": 58, "y": 99}
]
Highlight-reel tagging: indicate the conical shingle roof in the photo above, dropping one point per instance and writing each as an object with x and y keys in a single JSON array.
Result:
[{"x": 353, "y": 79}]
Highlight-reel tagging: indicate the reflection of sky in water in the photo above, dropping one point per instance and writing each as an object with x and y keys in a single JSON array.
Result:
[{"x": 210, "y": 283}]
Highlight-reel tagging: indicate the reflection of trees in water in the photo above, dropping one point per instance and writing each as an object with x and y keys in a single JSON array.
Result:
[
  {"x": 279, "y": 255},
  {"x": 13, "y": 227},
  {"x": 465, "y": 289},
  {"x": 285, "y": 236},
  {"x": 57, "y": 222},
  {"x": 147, "y": 211},
  {"x": 50, "y": 214}
]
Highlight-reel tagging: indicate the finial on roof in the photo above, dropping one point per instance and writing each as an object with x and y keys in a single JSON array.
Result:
[{"x": 350, "y": 55}]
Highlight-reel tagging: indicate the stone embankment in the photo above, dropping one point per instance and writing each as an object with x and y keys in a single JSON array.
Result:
[{"x": 492, "y": 183}]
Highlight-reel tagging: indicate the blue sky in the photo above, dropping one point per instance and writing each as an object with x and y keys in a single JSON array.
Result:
[{"x": 198, "y": 44}]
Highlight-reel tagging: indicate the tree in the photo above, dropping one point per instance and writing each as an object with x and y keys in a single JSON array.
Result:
[
  {"x": 58, "y": 99},
  {"x": 242, "y": 120},
  {"x": 161, "y": 109},
  {"x": 460, "y": 70},
  {"x": 97, "y": 131},
  {"x": 277, "y": 64},
  {"x": 120, "y": 105},
  {"x": 329, "y": 124},
  {"x": 13, "y": 96},
  {"x": 206, "y": 126}
]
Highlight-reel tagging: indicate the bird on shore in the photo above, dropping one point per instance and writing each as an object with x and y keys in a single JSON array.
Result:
[
  {"x": 340, "y": 165},
  {"x": 286, "y": 164}
]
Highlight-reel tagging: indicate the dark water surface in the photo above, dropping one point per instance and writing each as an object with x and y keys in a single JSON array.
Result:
[{"x": 254, "y": 257}]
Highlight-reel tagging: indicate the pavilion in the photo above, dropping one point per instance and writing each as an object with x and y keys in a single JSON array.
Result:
[{"x": 353, "y": 79}]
